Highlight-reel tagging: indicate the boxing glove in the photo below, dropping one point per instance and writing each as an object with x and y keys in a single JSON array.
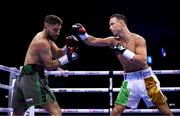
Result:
[
  {"x": 69, "y": 57},
  {"x": 79, "y": 30},
  {"x": 71, "y": 41},
  {"x": 72, "y": 49},
  {"x": 123, "y": 51}
]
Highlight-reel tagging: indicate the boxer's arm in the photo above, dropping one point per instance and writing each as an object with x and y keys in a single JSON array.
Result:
[
  {"x": 80, "y": 31},
  {"x": 71, "y": 52},
  {"x": 101, "y": 42},
  {"x": 141, "y": 52},
  {"x": 56, "y": 51},
  {"x": 119, "y": 49},
  {"x": 46, "y": 57},
  {"x": 139, "y": 56}
]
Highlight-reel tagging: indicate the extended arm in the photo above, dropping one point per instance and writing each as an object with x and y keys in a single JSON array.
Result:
[{"x": 79, "y": 31}]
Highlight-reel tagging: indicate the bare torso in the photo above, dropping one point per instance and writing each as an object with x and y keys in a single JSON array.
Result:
[
  {"x": 32, "y": 55},
  {"x": 131, "y": 44}
]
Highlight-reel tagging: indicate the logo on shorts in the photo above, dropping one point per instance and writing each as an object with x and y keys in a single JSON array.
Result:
[{"x": 29, "y": 99}]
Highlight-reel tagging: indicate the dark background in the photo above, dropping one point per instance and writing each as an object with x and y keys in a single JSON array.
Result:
[{"x": 155, "y": 20}]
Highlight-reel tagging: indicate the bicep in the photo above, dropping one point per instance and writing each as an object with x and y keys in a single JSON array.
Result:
[
  {"x": 141, "y": 53},
  {"x": 45, "y": 54},
  {"x": 56, "y": 51},
  {"x": 141, "y": 48}
]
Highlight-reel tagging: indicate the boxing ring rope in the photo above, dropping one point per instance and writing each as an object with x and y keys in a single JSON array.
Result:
[
  {"x": 96, "y": 110},
  {"x": 14, "y": 73},
  {"x": 91, "y": 89},
  {"x": 17, "y": 72}
]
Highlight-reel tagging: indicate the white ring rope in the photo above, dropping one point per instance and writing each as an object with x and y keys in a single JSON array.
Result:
[
  {"x": 96, "y": 110},
  {"x": 90, "y": 89},
  {"x": 103, "y": 89},
  {"x": 77, "y": 72},
  {"x": 3, "y": 86},
  {"x": 16, "y": 72},
  {"x": 79, "y": 89},
  {"x": 10, "y": 69},
  {"x": 78, "y": 110}
]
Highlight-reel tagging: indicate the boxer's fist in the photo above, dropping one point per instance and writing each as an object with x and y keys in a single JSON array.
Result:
[
  {"x": 72, "y": 56},
  {"x": 71, "y": 41},
  {"x": 124, "y": 52},
  {"x": 118, "y": 49},
  {"x": 69, "y": 57},
  {"x": 72, "y": 45},
  {"x": 72, "y": 49},
  {"x": 78, "y": 30}
]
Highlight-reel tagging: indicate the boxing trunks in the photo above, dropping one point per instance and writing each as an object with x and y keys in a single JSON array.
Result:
[
  {"x": 31, "y": 88},
  {"x": 140, "y": 84}
]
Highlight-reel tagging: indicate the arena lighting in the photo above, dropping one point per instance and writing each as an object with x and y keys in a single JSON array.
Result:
[
  {"x": 149, "y": 59},
  {"x": 163, "y": 52}
]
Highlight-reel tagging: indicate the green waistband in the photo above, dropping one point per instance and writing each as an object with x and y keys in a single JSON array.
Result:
[{"x": 32, "y": 68}]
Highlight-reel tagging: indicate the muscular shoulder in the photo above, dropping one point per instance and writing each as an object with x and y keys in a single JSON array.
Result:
[
  {"x": 139, "y": 39},
  {"x": 40, "y": 42}
]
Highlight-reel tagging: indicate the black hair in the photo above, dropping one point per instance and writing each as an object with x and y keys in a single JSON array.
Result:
[
  {"x": 120, "y": 17},
  {"x": 53, "y": 19}
]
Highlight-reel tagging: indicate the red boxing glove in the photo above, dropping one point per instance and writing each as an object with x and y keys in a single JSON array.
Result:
[{"x": 79, "y": 30}]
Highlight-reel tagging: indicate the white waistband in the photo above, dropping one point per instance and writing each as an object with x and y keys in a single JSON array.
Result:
[{"x": 138, "y": 74}]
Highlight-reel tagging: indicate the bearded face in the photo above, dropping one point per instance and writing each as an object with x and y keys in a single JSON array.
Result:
[{"x": 53, "y": 31}]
